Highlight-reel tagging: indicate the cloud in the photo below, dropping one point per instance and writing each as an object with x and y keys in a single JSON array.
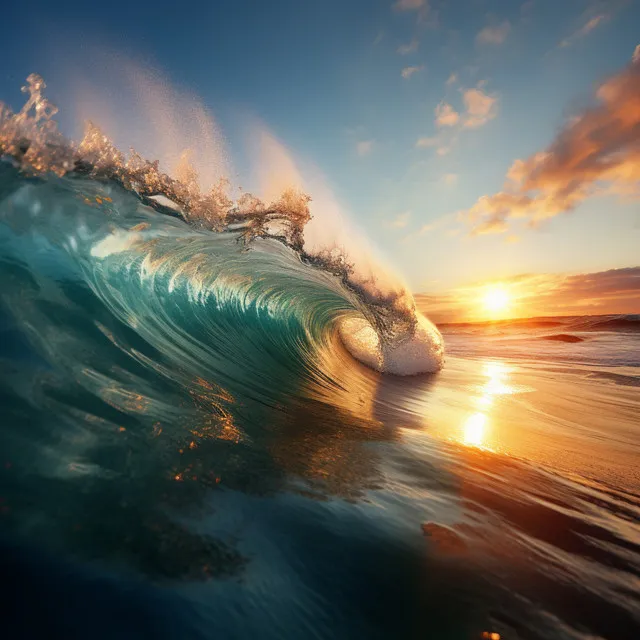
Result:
[
  {"x": 495, "y": 34},
  {"x": 409, "y": 5},
  {"x": 585, "y": 29},
  {"x": 636, "y": 54},
  {"x": 436, "y": 224},
  {"x": 364, "y": 147},
  {"x": 440, "y": 223},
  {"x": 406, "y": 49},
  {"x": 425, "y": 143},
  {"x": 449, "y": 179},
  {"x": 400, "y": 221},
  {"x": 597, "y": 152},
  {"x": 452, "y": 79},
  {"x": 446, "y": 115},
  {"x": 407, "y": 72},
  {"x": 615, "y": 291},
  {"x": 480, "y": 107}
]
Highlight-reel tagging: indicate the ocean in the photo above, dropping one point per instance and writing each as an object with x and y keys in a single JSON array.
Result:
[{"x": 206, "y": 436}]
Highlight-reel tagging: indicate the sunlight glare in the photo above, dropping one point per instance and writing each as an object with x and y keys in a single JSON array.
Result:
[
  {"x": 474, "y": 429},
  {"x": 496, "y": 299}
]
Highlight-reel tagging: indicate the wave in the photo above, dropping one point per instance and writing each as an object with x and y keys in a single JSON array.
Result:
[
  {"x": 622, "y": 323},
  {"x": 199, "y": 273},
  {"x": 562, "y": 337}
]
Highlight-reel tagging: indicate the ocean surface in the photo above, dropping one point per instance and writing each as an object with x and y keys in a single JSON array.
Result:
[{"x": 189, "y": 448}]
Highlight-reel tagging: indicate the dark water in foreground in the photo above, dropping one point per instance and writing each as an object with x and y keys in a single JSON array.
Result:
[{"x": 188, "y": 452}]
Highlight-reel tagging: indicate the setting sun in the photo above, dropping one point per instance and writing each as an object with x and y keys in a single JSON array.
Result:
[{"x": 496, "y": 299}]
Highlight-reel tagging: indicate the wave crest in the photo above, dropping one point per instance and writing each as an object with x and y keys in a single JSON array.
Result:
[{"x": 398, "y": 339}]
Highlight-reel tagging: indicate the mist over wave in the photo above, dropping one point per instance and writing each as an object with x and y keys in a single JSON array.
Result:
[{"x": 394, "y": 336}]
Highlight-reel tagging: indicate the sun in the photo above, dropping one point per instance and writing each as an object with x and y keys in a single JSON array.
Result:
[{"x": 496, "y": 299}]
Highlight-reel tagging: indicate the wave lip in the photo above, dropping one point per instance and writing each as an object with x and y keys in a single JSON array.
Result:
[{"x": 423, "y": 352}]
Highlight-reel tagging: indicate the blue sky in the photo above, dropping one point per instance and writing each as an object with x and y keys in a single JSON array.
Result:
[{"x": 327, "y": 79}]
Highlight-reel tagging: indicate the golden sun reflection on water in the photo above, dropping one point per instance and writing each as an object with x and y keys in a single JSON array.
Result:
[{"x": 476, "y": 429}]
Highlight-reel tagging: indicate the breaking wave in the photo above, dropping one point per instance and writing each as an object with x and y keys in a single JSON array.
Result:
[{"x": 197, "y": 272}]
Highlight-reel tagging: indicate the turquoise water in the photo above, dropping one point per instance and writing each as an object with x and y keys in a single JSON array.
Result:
[{"x": 188, "y": 451}]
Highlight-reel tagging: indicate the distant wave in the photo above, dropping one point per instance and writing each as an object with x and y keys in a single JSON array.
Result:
[
  {"x": 520, "y": 323},
  {"x": 624, "y": 323},
  {"x": 618, "y": 323},
  {"x": 563, "y": 337}
]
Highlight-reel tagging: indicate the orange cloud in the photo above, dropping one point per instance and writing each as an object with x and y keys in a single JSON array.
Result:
[
  {"x": 446, "y": 115},
  {"x": 597, "y": 152},
  {"x": 480, "y": 106},
  {"x": 605, "y": 292}
]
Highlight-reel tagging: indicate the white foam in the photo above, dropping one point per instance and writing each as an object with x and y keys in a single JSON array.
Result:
[
  {"x": 165, "y": 202},
  {"x": 424, "y": 353},
  {"x": 117, "y": 242}
]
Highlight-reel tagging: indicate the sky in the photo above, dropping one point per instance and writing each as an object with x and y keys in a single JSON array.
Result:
[{"x": 469, "y": 141}]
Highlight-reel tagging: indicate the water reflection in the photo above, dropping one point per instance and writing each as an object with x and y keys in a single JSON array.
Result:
[
  {"x": 476, "y": 429},
  {"x": 497, "y": 374}
]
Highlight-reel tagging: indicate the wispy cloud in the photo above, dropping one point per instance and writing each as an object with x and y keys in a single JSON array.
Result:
[
  {"x": 452, "y": 79},
  {"x": 449, "y": 179},
  {"x": 597, "y": 151},
  {"x": 480, "y": 108},
  {"x": 409, "y": 5},
  {"x": 494, "y": 34},
  {"x": 400, "y": 221},
  {"x": 410, "y": 47},
  {"x": 446, "y": 115},
  {"x": 439, "y": 224},
  {"x": 434, "y": 142},
  {"x": 585, "y": 29},
  {"x": 407, "y": 72},
  {"x": 426, "y": 142},
  {"x": 435, "y": 225},
  {"x": 364, "y": 147}
]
